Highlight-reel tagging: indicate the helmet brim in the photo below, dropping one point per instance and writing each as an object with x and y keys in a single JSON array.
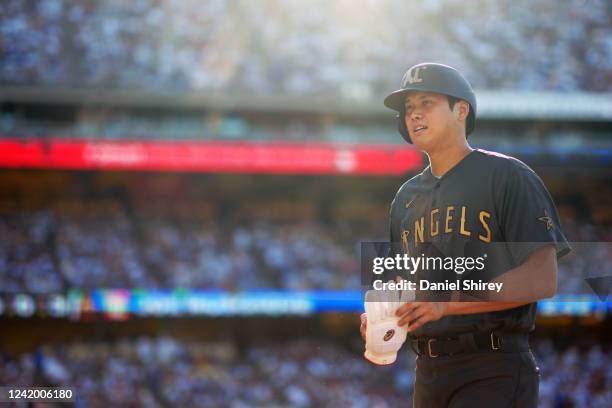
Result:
[{"x": 396, "y": 100}]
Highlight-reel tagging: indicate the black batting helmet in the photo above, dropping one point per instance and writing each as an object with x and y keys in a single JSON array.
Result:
[{"x": 432, "y": 77}]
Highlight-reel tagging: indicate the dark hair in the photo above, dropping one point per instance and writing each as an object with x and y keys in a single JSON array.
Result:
[
  {"x": 452, "y": 101},
  {"x": 451, "y": 104}
]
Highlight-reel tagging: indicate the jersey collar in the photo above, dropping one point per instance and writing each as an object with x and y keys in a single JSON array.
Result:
[{"x": 431, "y": 178}]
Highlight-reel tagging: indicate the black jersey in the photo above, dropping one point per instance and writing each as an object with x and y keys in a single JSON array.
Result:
[{"x": 489, "y": 204}]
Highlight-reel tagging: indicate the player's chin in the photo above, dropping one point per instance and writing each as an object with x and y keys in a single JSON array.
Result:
[{"x": 422, "y": 141}]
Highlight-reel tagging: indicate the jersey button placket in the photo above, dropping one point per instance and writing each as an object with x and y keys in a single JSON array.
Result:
[{"x": 434, "y": 195}]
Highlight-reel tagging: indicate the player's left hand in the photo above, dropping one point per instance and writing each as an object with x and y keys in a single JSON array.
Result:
[{"x": 416, "y": 314}]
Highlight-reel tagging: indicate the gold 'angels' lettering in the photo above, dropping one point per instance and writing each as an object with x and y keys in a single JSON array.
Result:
[
  {"x": 419, "y": 230},
  {"x": 463, "y": 230},
  {"x": 443, "y": 221},
  {"x": 483, "y": 216},
  {"x": 405, "y": 243},
  {"x": 413, "y": 76}
]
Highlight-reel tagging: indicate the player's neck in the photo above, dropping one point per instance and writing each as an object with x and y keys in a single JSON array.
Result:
[{"x": 442, "y": 161}]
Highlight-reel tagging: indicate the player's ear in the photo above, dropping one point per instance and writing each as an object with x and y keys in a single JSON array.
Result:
[{"x": 463, "y": 109}]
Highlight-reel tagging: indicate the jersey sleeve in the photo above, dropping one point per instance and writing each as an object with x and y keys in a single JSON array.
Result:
[{"x": 529, "y": 219}]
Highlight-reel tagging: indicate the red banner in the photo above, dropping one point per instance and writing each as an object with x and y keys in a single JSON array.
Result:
[{"x": 213, "y": 157}]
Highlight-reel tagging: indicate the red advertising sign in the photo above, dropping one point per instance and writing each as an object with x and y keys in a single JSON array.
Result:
[{"x": 213, "y": 157}]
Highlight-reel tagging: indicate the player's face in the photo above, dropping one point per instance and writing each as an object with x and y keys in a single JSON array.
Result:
[{"x": 429, "y": 119}]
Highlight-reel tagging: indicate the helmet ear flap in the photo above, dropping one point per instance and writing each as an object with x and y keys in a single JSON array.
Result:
[{"x": 401, "y": 127}]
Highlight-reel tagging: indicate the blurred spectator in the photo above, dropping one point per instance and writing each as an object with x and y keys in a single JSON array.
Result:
[
  {"x": 574, "y": 378},
  {"x": 288, "y": 46},
  {"x": 170, "y": 372},
  {"x": 26, "y": 260}
]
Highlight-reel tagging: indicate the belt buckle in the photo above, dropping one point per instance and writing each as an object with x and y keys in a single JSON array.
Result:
[
  {"x": 493, "y": 346},
  {"x": 431, "y": 354}
]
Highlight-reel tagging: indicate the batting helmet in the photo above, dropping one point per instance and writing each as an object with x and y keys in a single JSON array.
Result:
[{"x": 432, "y": 77}]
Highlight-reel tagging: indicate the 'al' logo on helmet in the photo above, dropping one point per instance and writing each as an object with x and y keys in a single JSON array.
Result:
[
  {"x": 389, "y": 335},
  {"x": 413, "y": 76}
]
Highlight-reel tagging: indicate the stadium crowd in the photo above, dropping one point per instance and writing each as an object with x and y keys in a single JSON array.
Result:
[
  {"x": 159, "y": 372},
  {"x": 574, "y": 378},
  {"x": 45, "y": 252},
  {"x": 103, "y": 253},
  {"x": 164, "y": 371},
  {"x": 288, "y": 46}
]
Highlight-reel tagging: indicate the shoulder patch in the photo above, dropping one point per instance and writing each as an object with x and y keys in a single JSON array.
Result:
[{"x": 546, "y": 220}]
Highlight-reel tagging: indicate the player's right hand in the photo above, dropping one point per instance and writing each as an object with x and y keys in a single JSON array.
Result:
[
  {"x": 364, "y": 325},
  {"x": 383, "y": 337}
]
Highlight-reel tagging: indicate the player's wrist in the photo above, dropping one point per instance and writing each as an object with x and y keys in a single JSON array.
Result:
[{"x": 445, "y": 308}]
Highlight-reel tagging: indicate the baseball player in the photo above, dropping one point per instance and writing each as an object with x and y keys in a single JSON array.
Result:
[{"x": 468, "y": 202}]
